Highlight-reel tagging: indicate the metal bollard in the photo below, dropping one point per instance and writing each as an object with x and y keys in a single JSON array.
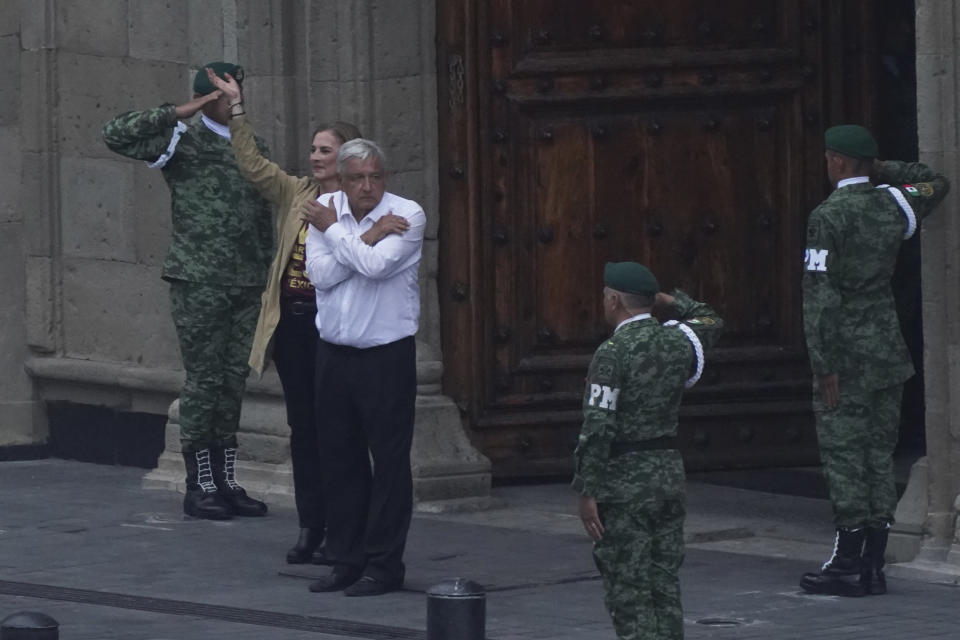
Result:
[
  {"x": 456, "y": 610},
  {"x": 29, "y": 625}
]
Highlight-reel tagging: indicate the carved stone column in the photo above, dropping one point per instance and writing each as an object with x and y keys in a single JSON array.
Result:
[{"x": 925, "y": 538}]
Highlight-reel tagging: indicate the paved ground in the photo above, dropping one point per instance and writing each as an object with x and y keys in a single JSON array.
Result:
[{"x": 84, "y": 544}]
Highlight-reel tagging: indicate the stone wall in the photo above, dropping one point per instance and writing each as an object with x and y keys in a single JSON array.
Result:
[{"x": 21, "y": 416}]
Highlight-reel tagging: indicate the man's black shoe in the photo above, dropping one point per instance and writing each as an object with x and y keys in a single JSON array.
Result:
[
  {"x": 336, "y": 581},
  {"x": 874, "y": 583},
  {"x": 839, "y": 566},
  {"x": 201, "y": 499},
  {"x": 241, "y": 504},
  {"x": 872, "y": 580},
  {"x": 307, "y": 542},
  {"x": 836, "y": 575},
  {"x": 826, "y": 585},
  {"x": 845, "y": 560},
  {"x": 198, "y": 503},
  {"x": 370, "y": 586},
  {"x": 223, "y": 462}
]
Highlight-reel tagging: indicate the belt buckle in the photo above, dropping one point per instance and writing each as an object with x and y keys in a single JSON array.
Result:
[{"x": 300, "y": 307}]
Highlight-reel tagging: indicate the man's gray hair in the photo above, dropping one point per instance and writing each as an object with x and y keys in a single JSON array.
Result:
[
  {"x": 359, "y": 149},
  {"x": 633, "y": 301}
]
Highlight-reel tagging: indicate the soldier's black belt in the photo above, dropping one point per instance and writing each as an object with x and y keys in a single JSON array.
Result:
[{"x": 622, "y": 448}]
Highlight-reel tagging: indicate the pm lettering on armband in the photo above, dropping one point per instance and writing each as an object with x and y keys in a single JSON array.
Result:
[
  {"x": 603, "y": 396},
  {"x": 816, "y": 259}
]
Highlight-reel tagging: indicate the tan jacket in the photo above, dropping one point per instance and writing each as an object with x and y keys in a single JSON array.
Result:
[{"x": 288, "y": 193}]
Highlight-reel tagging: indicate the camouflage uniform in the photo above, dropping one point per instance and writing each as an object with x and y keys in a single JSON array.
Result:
[
  {"x": 216, "y": 263},
  {"x": 634, "y": 387},
  {"x": 851, "y": 327}
]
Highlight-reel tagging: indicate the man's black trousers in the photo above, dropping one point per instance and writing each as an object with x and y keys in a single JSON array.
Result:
[{"x": 365, "y": 409}]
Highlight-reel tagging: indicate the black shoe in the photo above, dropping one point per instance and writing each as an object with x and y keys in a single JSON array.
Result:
[
  {"x": 336, "y": 581},
  {"x": 874, "y": 583},
  {"x": 201, "y": 499},
  {"x": 224, "y": 470},
  {"x": 847, "y": 549},
  {"x": 241, "y": 504},
  {"x": 836, "y": 575},
  {"x": 206, "y": 505},
  {"x": 872, "y": 579},
  {"x": 320, "y": 557},
  {"x": 304, "y": 550},
  {"x": 826, "y": 585},
  {"x": 370, "y": 586}
]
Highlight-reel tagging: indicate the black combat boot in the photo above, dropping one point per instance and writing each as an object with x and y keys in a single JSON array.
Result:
[
  {"x": 836, "y": 577},
  {"x": 225, "y": 477},
  {"x": 307, "y": 543},
  {"x": 871, "y": 573},
  {"x": 202, "y": 499}
]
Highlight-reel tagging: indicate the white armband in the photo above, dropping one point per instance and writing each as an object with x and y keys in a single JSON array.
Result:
[
  {"x": 905, "y": 207},
  {"x": 164, "y": 158},
  {"x": 697, "y": 349}
]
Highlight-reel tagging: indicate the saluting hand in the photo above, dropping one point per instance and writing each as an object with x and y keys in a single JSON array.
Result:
[
  {"x": 662, "y": 306},
  {"x": 319, "y": 215},
  {"x": 591, "y": 517},
  {"x": 189, "y": 109},
  {"x": 663, "y": 300}
]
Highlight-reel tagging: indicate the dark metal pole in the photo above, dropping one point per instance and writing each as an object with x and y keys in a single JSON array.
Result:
[
  {"x": 456, "y": 610},
  {"x": 29, "y": 625}
]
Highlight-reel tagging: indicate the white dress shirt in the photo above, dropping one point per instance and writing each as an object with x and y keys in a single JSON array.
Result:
[
  {"x": 366, "y": 296},
  {"x": 639, "y": 316},
  {"x": 848, "y": 181}
]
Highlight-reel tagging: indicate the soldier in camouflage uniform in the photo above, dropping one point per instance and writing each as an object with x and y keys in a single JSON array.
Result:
[
  {"x": 216, "y": 265},
  {"x": 629, "y": 473},
  {"x": 857, "y": 353}
]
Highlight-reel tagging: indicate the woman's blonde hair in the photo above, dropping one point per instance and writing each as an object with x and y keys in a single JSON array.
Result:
[{"x": 343, "y": 130}]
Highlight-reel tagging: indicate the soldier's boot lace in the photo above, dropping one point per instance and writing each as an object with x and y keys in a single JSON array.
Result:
[
  {"x": 225, "y": 477},
  {"x": 201, "y": 499}
]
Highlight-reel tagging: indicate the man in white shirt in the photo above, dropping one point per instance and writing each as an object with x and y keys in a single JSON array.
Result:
[{"x": 368, "y": 310}]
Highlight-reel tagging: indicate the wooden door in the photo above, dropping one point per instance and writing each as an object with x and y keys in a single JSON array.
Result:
[{"x": 684, "y": 135}]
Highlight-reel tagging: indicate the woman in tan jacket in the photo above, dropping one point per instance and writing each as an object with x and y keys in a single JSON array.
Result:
[{"x": 286, "y": 329}]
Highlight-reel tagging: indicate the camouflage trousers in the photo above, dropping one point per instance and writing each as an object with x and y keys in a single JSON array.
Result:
[
  {"x": 215, "y": 326},
  {"x": 856, "y": 441},
  {"x": 639, "y": 559}
]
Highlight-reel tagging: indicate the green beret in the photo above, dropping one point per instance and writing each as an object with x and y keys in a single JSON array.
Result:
[
  {"x": 201, "y": 83},
  {"x": 851, "y": 140},
  {"x": 630, "y": 277}
]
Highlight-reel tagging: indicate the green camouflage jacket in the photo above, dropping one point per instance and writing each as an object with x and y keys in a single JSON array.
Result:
[
  {"x": 634, "y": 387},
  {"x": 222, "y": 227},
  {"x": 853, "y": 239}
]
